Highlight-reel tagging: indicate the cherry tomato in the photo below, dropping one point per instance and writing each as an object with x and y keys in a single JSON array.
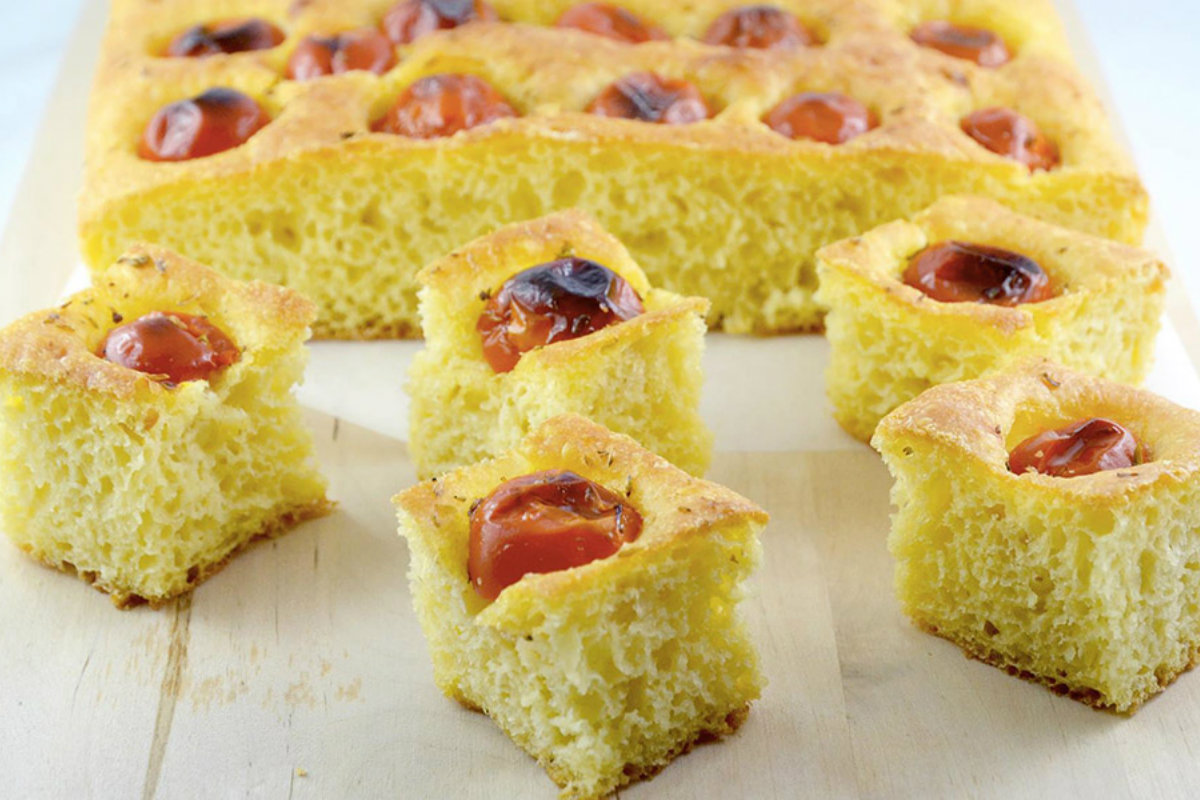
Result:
[
  {"x": 544, "y": 522},
  {"x": 552, "y": 302},
  {"x": 980, "y": 45},
  {"x": 1007, "y": 133},
  {"x": 611, "y": 22},
  {"x": 963, "y": 272},
  {"x": 1082, "y": 448},
  {"x": 217, "y": 120},
  {"x": 409, "y": 20},
  {"x": 647, "y": 97},
  {"x": 759, "y": 27},
  {"x": 366, "y": 49},
  {"x": 829, "y": 117},
  {"x": 442, "y": 105},
  {"x": 178, "y": 347},
  {"x": 228, "y": 36}
]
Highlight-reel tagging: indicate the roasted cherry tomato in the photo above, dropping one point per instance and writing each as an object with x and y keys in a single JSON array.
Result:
[
  {"x": 759, "y": 27},
  {"x": 178, "y": 347},
  {"x": 551, "y": 302},
  {"x": 1007, "y": 133},
  {"x": 411, "y": 19},
  {"x": 217, "y": 120},
  {"x": 228, "y": 36},
  {"x": 963, "y": 272},
  {"x": 1093, "y": 445},
  {"x": 829, "y": 117},
  {"x": 365, "y": 49},
  {"x": 647, "y": 97},
  {"x": 544, "y": 522},
  {"x": 442, "y": 105},
  {"x": 611, "y": 22},
  {"x": 980, "y": 45}
]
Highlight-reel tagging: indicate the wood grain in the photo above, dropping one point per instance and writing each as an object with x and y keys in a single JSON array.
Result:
[{"x": 168, "y": 696}]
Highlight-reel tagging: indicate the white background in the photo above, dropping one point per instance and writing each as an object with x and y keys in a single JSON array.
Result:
[{"x": 1148, "y": 52}]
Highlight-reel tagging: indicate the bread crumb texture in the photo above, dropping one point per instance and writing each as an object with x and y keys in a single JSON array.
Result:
[
  {"x": 141, "y": 489},
  {"x": 889, "y": 342},
  {"x": 604, "y": 673},
  {"x": 641, "y": 377},
  {"x": 1088, "y": 585},
  {"x": 725, "y": 209}
]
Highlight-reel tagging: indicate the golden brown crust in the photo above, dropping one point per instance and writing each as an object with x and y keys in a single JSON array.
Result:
[
  {"x": 281, "y": 524},
  {"x": 695, "y": 505},
  {"x": 674, "y": 505},
  {"x": 465, "y": 279},
  {"x": 980, "y": 419},
  {"x": 59, "y": 345},
  {"x": 1076, "y": 262},
  {"x": 615, "y": 336},
  {"x": 480, "y": 265},
  {"x": 551, "y": 75},
  {"x": 617, "y": 461}
]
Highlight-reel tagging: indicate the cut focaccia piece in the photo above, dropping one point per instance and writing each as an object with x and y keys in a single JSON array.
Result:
[
  {"x": 889, "y": 341},
  {"x": 640, "y": 376},
  {"x": 1083, "y": 581},
  {"x": 605, "y": 671},
  {"x": 146, "y": 482}
]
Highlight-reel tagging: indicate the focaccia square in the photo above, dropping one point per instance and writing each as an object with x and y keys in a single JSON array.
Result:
[
  {"x": 141, "y": 486},
  {"x": 889, "y": 341},
  {"x": 1086, "y": 583},
  {"x": 641, "y": 377},
  {"x": 607, "y": 671}
]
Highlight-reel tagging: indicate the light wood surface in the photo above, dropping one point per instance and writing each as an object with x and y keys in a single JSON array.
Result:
[{"x": 299, "y": 671}]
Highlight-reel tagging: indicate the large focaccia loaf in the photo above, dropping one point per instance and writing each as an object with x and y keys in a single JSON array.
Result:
[{"x": 726, "y": 208}]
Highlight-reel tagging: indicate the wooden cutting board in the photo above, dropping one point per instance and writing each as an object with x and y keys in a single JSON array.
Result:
[{"x": 300, "y": 671}]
